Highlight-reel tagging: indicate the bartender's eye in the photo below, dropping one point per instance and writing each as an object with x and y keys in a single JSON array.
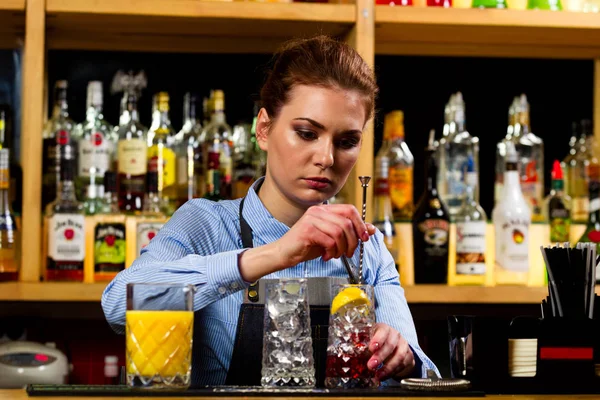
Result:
[
  {"x": 306, "y": 135},
  {"x": 348, "y": 142}
]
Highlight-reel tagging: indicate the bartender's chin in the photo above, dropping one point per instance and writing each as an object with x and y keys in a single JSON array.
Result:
[{"x": 314, "y": 197}]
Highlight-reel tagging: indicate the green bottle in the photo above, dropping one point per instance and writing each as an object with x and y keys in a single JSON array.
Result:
[
  {"x": 552, "y": 5},
  {"x": 558, "y": 207},
  {"x": 489, "y": 4}
]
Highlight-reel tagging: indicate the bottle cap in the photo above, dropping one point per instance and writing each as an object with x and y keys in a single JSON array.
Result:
[
  {"x": 163, "y": 101},
  {"x": 94, "y": 93},
  {"x": 557, "y": 173},
  {"x": 61, "y": 84},
  {"x": 218, "y": 98},
  {"x": 110, "y": 182}
]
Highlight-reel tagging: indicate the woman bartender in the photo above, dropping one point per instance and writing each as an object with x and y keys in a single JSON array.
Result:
[{"x": 317, "y": 100}]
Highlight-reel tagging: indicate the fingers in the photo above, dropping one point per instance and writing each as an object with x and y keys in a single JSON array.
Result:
[
  {"x": 334, "y": 232},
  {"x": 347, "y": 229},
  {"x": 400, "y": 363},
  {"x": 350, "y": 212},
  {"x": 382, "y": 345}
]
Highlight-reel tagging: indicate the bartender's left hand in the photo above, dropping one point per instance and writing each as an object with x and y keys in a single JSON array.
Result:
[{"x": 392, "y": 357}]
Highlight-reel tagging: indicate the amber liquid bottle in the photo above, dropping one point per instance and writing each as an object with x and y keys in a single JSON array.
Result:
[{"x": 431, "y": 225}]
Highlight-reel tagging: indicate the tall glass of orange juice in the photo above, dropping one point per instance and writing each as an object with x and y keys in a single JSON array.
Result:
[{"x": 159, "y": 326}]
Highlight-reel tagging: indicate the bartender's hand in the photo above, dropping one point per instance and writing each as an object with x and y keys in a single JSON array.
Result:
[
  {"x": 327, "y": 231},
  {"x": 392, "y": 357}
]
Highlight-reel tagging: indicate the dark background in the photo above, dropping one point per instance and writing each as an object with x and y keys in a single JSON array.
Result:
[{"x": 559, "y": 92}]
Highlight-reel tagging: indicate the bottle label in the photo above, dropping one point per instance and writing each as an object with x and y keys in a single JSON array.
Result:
[
  {"x": 109, "y": 247},
  {"x": 435, "y": 232},
  {"x": 66, "y": 241},
  {"x": 560, "y": 225},
  {"x": 132, "y": 156},
  {"x": 581, "y": 208},
  {"x": 145, "y": 232},
  {"x": 95, "y": 152},
  {"x": 162, "y": 159},
  {"x": 401, "y": 186},
  {"x": 470, "y": 248},
  {"x": 512, "y": 244},
  {"x": 50, "y": 165}
]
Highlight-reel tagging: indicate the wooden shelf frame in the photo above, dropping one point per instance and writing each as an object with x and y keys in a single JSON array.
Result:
[
  {"x": 12, "y": 23},
  {"x": 252, "y": 27},
  {"x": 418, "y": 294}
]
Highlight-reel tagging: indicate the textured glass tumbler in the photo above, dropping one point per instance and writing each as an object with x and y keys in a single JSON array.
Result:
[
  {"x": 159, "y": 326},
  {"x": 350, "y": 327},
  {"x": 287, "y": 358}
]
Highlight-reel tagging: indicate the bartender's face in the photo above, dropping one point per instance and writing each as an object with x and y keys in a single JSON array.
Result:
[{"x": 314, "y": 142}]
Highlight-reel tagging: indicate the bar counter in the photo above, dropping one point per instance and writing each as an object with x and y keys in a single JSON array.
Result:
[{"x": 20, "y": 394}]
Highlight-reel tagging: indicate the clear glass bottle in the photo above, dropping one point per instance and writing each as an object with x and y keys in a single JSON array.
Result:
[
  {"x": 454, "y": 152},
  {"x": 10, "y": 243},
  {"x": 161, "y": 155},
  {"x": 557, "y": 208},
  {"x": 92, "y": 202},
  {"x": 578, "y": 173},
  {"x": 511, "y": 217},
  {"x": 57, "y": 135},
  {"x": 530, "y": 149},
  {"x": 110, "y": 201},
  {"x": 501, "y": 151},
  {"x": 132, "y": 153},
  {"x": 401, "y": 165},
  {"x": 153, "y": 203},
  {"x": 218, "y": 149},
  {"x": 190, "y": 176},
  {"x": 383, "y": 216},
  {"x": 565, "y": 164},
  {"x": 244, "y": 173},
  {"x": 470, "y": 234},
  {"x": 66, "y": 228},
  {"x": 97, "y": 140}
]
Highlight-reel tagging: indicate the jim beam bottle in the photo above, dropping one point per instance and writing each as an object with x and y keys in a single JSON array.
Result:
[
  {"x": 431, "y": 225},
  {"x": 66, "y": 228}
]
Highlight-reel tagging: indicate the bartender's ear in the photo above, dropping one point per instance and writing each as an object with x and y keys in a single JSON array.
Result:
[{"x": 263, "y": 124}]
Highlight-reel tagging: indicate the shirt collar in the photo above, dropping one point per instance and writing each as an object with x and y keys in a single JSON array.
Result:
[{"x": 264, "y": 226}]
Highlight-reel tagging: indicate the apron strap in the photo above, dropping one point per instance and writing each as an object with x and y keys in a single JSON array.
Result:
[{"x": 247, "y": 242}]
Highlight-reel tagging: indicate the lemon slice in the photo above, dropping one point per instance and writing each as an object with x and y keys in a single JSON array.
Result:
[{"x": 351, "y": 296}]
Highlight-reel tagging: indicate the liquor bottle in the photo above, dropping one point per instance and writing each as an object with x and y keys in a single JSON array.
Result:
[
  {"x": 401, "y": 163},
  {"x": 511, "y": 217},
  {"x": 15, "y": 194},
  {"x": 470, "y": 234},
  {"x": 152, "y": 216},
  {"x": 592, "y": 230},
  {"x": 383, "y": 217},
  {"x": 557, "y": 208},
  {"x": 454, "y": 152},
  {"x": 190, "y": 176},
  {"x": 10, "y": 243},
  {"x": 109, "y": 234},
  {"x": 161, "y": 156},
  {"x": 97, "y": 140},
  {"x": 565, "y": 164},
  {"x": 489, "y": 4},
  {"x": 243, "y": 171},
  {"x": 66, "y": 228},
  {"x": 217, "y": 137},
  {"x": 56, "y": 136},
  {"x": 431, "y": 224},
  {"x": 92, "y": 202},
  {"x": 530, "y": 149},
  {"x": 501, "y": 151},
  {"x": 132, "y": 154},
  {"x": 578, "y": 173}
]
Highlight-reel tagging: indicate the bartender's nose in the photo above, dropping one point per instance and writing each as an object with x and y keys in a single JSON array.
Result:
[{"x": 324, "y": 155}]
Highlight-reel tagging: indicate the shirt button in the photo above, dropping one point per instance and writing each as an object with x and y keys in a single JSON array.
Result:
[
  {"x": 234, "y": 285},
  {"x": 222, "y": 290}
]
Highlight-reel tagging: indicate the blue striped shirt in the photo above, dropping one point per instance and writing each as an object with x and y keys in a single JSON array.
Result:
[{"x": 200, "y": 245}]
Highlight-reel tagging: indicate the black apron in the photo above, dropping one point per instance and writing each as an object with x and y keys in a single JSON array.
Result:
[{"x": 246, "y": 360}]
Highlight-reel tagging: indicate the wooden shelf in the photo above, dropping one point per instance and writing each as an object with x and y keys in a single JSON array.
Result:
[
  {"x": 419, "y": 294},
  {"x": 12, "y": 23},
  {"x": 486, "y": 32},
  {"x": 189, "y": 25}
]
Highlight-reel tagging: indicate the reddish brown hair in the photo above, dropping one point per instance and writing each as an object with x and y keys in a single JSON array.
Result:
[{"x": 319, "y": 61}]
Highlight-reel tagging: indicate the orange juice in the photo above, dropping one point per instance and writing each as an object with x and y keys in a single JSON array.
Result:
[{"x": 159, "y": 343}]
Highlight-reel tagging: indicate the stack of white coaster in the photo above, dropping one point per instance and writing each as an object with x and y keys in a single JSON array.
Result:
[{"x": 522, "y": 357}]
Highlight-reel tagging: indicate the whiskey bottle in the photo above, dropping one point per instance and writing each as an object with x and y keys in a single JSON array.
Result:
[
  {"x": 578, "y": 173},
  {"x": 132, "y": 154},
  {"x": 431, "y": 224},
  {"x": 383, "y": 217},
  {"x": 66, "y": 228},
  {"x": 557, "y": 208},
  {"x": 161, "y": 155},
  {"x": 10, "y": 243},
  {"x": 57, "y": 136}
]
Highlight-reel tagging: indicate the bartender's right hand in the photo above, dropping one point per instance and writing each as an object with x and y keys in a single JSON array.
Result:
[{"x": 327, "y": 231}]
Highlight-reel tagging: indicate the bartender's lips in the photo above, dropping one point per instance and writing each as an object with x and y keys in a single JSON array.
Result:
[{"x": 318, "y": 182}]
